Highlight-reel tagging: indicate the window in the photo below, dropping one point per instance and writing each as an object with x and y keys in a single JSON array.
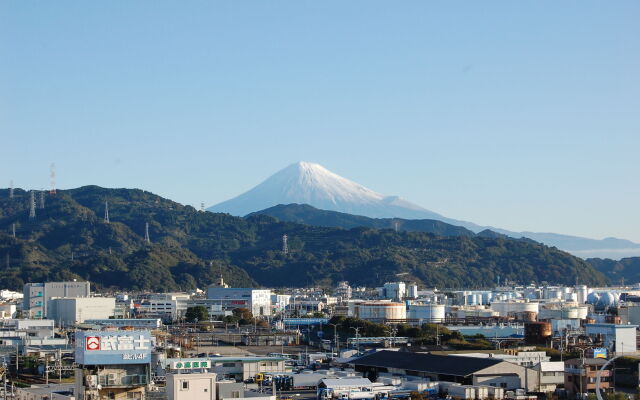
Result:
[
  {"x": 185, "y": 385},
  {"x": 503, "y": 384},
  {"x": 235, "y": 395}
]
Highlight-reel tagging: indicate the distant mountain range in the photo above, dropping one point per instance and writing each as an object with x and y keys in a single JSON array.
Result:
[
  {"x": 69, "y": 239},
  {"x": 309, "y": 183}
]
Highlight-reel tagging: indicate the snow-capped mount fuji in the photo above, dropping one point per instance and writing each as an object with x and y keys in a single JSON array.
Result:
[{"x": 313, "y": 184}]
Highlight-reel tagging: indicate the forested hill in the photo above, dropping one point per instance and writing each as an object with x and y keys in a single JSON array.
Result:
[
  {"x": 69, "y": 238},
  {"x": 626, "y": 270},
  {"x": 306, "y": 214}
]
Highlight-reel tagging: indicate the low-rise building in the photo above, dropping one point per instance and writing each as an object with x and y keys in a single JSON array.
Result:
[
  {"x": 463, "y": 370},
  {"x": 45, "y": 392},
  {"x": 551, "y": 375},
  {"x": 580, "y": 375},
  {"x": 239, "y": 368}
]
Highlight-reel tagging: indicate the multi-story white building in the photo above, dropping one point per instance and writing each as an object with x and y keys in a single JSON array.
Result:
[
  {"x": 393, "y": 290},
  {"x": 279, "y": 302},
  {"x": 37, "y": 295},
  {"x": 258, "y": 301},
  {"x": 343, "y": 291}
]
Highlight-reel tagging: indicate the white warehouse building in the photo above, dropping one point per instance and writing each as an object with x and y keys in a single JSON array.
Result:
[
  {"x": 258, "y": 301},
  {"x": 69, "y": 311}
]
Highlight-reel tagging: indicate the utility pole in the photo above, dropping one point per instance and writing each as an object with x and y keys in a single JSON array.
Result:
[
  {"x": 335, "y": 337},
  {"x": 357, "y": 342}
]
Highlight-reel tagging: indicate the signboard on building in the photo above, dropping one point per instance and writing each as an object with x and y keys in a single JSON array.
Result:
[
  {"x": 600, "y": 352},
  {"x": 109, "y": 348},
  {"x": 190, "y": 363}
]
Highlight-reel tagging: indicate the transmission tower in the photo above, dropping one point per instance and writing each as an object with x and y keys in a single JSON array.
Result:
[
  {"x": 146, "y": 233},
  {"x": 41, "y": 204},
  {"x": 11, "y": 190},
  {"x": 285, "y": 247},
  {"x": 202, "y": 206},
  {"x": 32, "y": 206},
  {"x": 53, "y": 178},
  {"x": 106, "y": 212},
  {"x": 13, "y": 230}
]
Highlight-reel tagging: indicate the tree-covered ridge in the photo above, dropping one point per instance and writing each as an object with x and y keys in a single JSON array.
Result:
[
  {"x": 617, "y": 271},
  {"x": 69, "y": 239},
  {"x": 306, "y": 214}
]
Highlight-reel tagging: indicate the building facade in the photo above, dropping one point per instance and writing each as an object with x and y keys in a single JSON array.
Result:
[{"x": 37, "y": 295}]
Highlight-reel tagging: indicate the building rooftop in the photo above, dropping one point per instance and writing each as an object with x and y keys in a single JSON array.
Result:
[{"x": 423, "y": 362}]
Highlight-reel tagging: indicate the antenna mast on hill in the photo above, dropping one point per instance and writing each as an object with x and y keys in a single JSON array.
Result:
[
  {"x": 202, "y": 206},
  {"x": 146, "y": 233},
  {"x": 106, "y": 212},
  {"x": 11, "y": 189},
  {"x": 41, "y": 205},
  {"x": 32, "y": 206},
  {"x": 53, "y": 178},
  {"x": 285, "y": 247}
]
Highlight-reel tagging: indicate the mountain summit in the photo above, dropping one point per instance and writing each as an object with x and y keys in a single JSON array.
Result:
[{"x": 313, "y": 184}]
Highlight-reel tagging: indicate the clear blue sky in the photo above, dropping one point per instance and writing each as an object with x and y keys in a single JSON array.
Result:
[{"x": 519, "y": 114}]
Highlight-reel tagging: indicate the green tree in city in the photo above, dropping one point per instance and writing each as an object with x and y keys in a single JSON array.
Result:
[{"x": 197, "y": 313}]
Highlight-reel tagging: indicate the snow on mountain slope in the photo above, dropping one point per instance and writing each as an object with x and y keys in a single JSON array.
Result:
[{"x": 309, "y": 183}]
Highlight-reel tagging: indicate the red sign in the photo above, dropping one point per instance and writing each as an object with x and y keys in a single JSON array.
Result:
[
  {"x": 238, "y": 302},
  {"x": 93, "y": 343}
]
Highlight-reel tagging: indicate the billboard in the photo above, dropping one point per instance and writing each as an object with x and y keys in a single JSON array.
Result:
[
  {"x": 600, "y": 352},
  {"x": 108, "y": 348}
]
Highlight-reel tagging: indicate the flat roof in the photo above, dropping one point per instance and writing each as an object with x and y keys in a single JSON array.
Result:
[
  {"x": 424, "y": 362},
  {"x": 612, "y": 325}
]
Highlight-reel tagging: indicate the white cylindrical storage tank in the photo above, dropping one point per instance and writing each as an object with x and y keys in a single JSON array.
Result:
[
  {"x": 381, "y": 311},
  {"x": 583, "y": 311},
  {"x": 571, "y": 297},
  {"x": 427, "y": 312},
  {"x": 507, "y": 308}
]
